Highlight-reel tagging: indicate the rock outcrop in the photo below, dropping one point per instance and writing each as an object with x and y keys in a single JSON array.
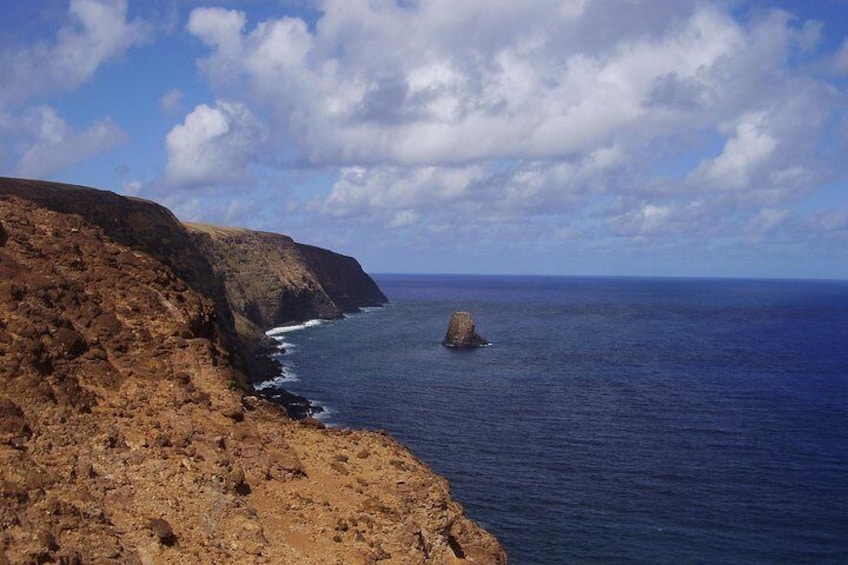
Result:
[
  {"x": 270, "y": 280},
  {"x": 342, "y": 278},
  {"x": 145, "y": 227},
  {"x": 126, "y": 436},
  {"x": 461, "y": 333}
]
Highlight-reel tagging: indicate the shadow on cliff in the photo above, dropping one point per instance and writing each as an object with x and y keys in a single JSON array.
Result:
[{"x": 252, "y": 280}]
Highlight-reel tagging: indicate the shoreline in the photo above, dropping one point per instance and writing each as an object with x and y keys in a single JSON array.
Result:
[
  {"x": 273, "y": 389},
  {"x": 133, "y": 346},
  {"x": 297, "y": 407}
]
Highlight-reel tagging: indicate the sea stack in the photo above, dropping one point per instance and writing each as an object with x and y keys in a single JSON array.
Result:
[{"x": 461, "y": 333}]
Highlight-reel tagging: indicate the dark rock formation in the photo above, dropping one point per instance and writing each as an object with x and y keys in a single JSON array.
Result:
[
  {"x": 461, "y": 333},
  {"x": 163, "y": 531},
  {"x": 342, "y": 278}
]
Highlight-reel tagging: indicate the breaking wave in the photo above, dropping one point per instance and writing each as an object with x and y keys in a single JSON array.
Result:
[
  {"x": 293, "y": 328},
  {"x": 286, "y": 376}
]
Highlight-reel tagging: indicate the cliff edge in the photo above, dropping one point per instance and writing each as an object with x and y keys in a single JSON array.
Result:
[
  {"x": 270, "y": 280},
  {"x": 126, "y": 436}
]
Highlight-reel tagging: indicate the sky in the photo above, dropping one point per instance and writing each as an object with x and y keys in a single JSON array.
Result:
[{"x": 562, "y": 137}]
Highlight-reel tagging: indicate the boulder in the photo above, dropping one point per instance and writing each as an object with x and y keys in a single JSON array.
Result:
[{"x": 461, "y": 333}]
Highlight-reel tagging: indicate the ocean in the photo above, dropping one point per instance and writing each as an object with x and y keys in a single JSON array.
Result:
[{"x": 612, "y": 420}]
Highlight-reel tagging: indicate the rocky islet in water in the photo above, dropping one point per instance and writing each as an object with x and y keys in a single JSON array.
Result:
[{"x": 462, "y": 334}]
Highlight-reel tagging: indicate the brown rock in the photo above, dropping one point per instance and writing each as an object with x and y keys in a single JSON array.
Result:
[
  {"x": 48, "y": 540},
  {"x": 163, "y": 531},
  {"x": 70, "y": 342},
  {"x": 105, "y": 418},
  {"x": 14, "y": 428},
  {"x": 461, "y": 333}
]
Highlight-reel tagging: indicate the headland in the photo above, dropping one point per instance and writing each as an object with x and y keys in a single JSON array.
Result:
[{"x": 129, "y": 430}]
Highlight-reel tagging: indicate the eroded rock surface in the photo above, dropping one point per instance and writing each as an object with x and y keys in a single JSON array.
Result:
[
  {"x": 461, "y": 333},
  {"x": 125, "y": 436},
  {"x": 271, "y": 280}
]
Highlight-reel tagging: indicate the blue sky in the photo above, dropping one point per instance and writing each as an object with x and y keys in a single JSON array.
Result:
[{"x": 584, "y": 137}]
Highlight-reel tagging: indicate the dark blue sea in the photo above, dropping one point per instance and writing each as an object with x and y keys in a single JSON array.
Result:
[{"x": 612, "y": 420}]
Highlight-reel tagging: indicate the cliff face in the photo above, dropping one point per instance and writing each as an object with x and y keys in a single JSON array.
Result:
[
  {"x": 145, "y": 227},
  {"x": 124, "y": 437},
  {"x": 342, "y": 278},
  {"x": 270, "y": 280},
  {"x": 254, "y": 280}
]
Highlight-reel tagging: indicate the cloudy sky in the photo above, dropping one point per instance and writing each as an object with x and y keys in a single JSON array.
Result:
[{"x": 584, "y": 137}]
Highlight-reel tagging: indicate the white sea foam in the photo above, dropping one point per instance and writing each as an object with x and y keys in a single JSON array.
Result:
[
  {"x": 284, "y": 346},
  {"x": 326, "y": 413},
  {"x": 287, "y": 376},
  {"x": 286, "y": 329}
]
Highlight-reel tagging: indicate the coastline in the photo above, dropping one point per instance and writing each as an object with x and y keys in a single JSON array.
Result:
[
  {"x": 274, "y": 389},
  {"x": 127, "y": 398}
]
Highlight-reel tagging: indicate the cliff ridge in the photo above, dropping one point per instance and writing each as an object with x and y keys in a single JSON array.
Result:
[{"x": 128, "y": 433}]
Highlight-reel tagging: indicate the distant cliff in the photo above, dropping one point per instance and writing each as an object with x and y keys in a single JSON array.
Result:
[
  {"x": 125, "y": 436},
  {"x": 270, "y": 280}
]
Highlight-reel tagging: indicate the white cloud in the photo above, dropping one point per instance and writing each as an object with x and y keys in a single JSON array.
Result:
[
  {"x": 98, "y": 31},
  {"x": 644, "y": 219},
  {"x": 767, "y": 220},
  {"x": 638, "y": 119},
  {"x": 840, "y": 59},
  {"x": 214, "y": 146},
  {"x": 835, "y": 220},
  {"x": 384, "y": 84},
  {"x": 55, "y": 145},
  {"x": 35, "y": 139},
  {"x": 404, "y": 218},
  {"x": 363, "y": 191},
  {"x": 748, "y": 148},
  {"x": 427, "y": 84},
  {"x": 132, "y": 188}
]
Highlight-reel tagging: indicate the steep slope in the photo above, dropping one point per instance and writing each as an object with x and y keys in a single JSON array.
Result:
[
  {"x": 124, "y": 438},
  {"x": 342, "y": 278},
  {"x": 254, "y": 280},
  {"x": 270, "y": 280},
  {"x": 148, "y": 228}
]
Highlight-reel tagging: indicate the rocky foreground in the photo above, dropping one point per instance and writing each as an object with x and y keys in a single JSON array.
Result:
[{"x": 128, "y": 433}]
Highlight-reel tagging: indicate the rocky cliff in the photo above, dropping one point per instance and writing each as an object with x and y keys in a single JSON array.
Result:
[
  {"x": 147, "y": 228},
  {"x": 270, "y": 280},
  {"x": 126, "y": 437}
]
